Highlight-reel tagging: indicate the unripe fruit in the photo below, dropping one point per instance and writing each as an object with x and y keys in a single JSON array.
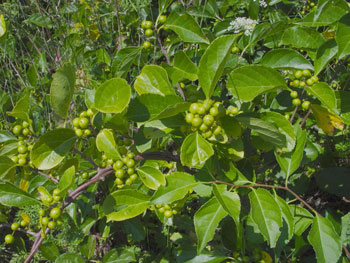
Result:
[
  {"x": 203, "y": 127},
  {"x": 217, "y": 130},
  {"x": 84, "y": 175},
  {"x": 146, "y": 45},
  {"x": 14, "y": 158},
  {"x": 128, "y": 181},
  {"x": 189, "y": 117},
  {"x": 87, "y": 132},
  {"x": 9, "y": 239},
  {"x": 143, "y": 24},
  {"x": 133, "y": 177},
  {"x": 147, "y": 24},
  {"x": 119, "y": 173},
  {"x": 90, "y": 113},
  {"x": 207, "y": 134},
  {"x": 83, "y": 123},
  {"x": 79, "y": 132},
  {"x": 130, "y": 171},
  {"x": 59, "y": 222},
  {"x": 25, "y": 131},
  {"x": 208, "y": 119},
  {"x": 235, "y": 50},
  {"x": 314, "y": 79},
  {"x": 22, "y": 161},
  {"x": 196, "y": 122},
  {"x": 17, "y": 129},
  {"x": 25, "y": 124},
  {"x": 306, "y": 73},
  {"x": 298, "y": 74},
  {"x": 234, "y": 110},
  {"x": 294, "y": 94},
  {"x": 194, "y": 108},
  {"x": 302, "y": 84},
  {"x": 118, "y": 165},
  {"x": 41, "y": 212},
  {"x": 305, "y": 105},
  {"x": 148, "y": 32},
  {"x": 14, "y": 226},
  {"x": 162, "y": 19},
  {"x": 296, "y": 102},
  {"x": 309, "y": 82},
  {"x": 55, "y": 213},
  {"x": 201, "y": 110},
  {"x": 130, "y": 155},
  {"x": 22, "y": 149},
  {"x": 23, "y": 223},
  {"x": 130, "y": 163},
  {"x": 118, "y": 181},
  {"x": 161, "y": 210},
  {"x": 214, "y": 111},
  {"x": 57, "y": 198},
  {"x": 83, "y": 114},
  {"x": 76, "y": 122},
  {"x": 51, "y": 225},
  {"x": 168, "y": 213},
  {"x": 296, "y": 83},
  {"x": 44, "y": 221}
]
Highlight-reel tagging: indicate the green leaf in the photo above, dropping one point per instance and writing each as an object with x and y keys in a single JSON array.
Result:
[
  {"x": 266, "y": 214},
  {"x": 69, "y": 258},
  {"x": 290, "y": 162},
  {"x": 66, "y": 180},
  {"x": 302, "y": 37},
  {"x": 247, "y": 82},
  {"x": 148, "y": 107},
  {"x": 206, "y": 220},
  {"x": 62, "y": 90},
  {"x": 112, "y": 96},
  {"x": 195, "y": 150},
  {"x": 6, "y": 136},
  {"x": 151, "y": 177},
  {"x": 105, "y": 143},
  {"x": 103, "y": 56},
  {"x": 325, "y": 94},
  {"x": 153, "y": 79},
  {"x": 124, "y": 255},
  {"x": 132, "y": 204},
  {"x": 178, "y": 185},
  {"x": 286, "y": 215},
  {"x": 45, "y": 195},
  {"x": 266, "y": 130},
  {"x": 7, "y": 169},
  {"x": 285, "y": 58},
  {"x": 2, "y": 25},
  {"x": 123, "y": 60},
  {"x": 342, "y": 36},
  {"x": 49, "y": 250},
  {"x": 230, "y": 201},
  {"x": 324, "y": 240},
  {"x": 345, "y": 229},
  {"x": 11, "y": 195},
  {"x": 51, "y": 148},
  {"x": 186, "y": 27},
  {"x": 41, "y": 20},
  {"x": 302, "y": 219},
  {"x": 21, "y": 108},
  {"x": 212, "y": 63},
  {"x": 183, "y": 68},
  {"x": 325, "y": 53}
]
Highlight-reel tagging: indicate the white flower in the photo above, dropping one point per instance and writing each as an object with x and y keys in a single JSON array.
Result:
[
  {"x": 243, "y": 24},
  {"x": 262, "y": 3}
]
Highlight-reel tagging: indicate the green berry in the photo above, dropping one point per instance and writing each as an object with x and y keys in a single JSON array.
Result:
[
  {"x": 214, "y": 111},
  {"x": 133, "y": 177},
  {"x": 130, "y": 171},
  {"x": 130, "y": 163},
  {"x": 51, "y": 225},
  {"x": 296, "y": 83},
  {"x": 293, "y": 94},
  {"x": 84, "y": 175},
  {"x": 55, "y": 213},
  {"x": 235, "y": 50},
  {"x": 130, "y": 155},
  {"x": 76, "y": 122},
  {"x": 79, "y": 132},
  {"x": 217, "y": 130},
  {"x": 119, "y": 173},
  {"x": 168, "y": 213},
  {"x": 146, "y": 45},
  {"x": 234, "y": 110},
  {"x": 41, "y": 212},
  {"x": 25, "y": 124},
  {"x": 23, "y": 223},
  {"x": 25, "y": 131},
  {"x": 298, "y": 74},
  {"x": 83, "y": 123},
  {"x": 162, "y": 19},
  {"x": 44, "y": 220},
  {"x": 14, "y": 226},
  {"x": 90, "y": 113},
  {"x": 305, "y": 105},
  {"x": 9, "y": 239},
  {"x": 201, "y": 110},
  {"x": 118, "y": 165},
  {"x": 189, "y": 117},
  {"x": 87, "y": 132},
  {"x": 22, "y": 161},
  {"x": 296, "y": 102},
  {"x": 119, "y": 181},
  {"x": 17, "y": 129},
  {"x": 309, "y": 82},
  {"x": 196, "y": 122},
  {"x": 14, "y": 158},
  {"x": 306, "y": 73},
  {"x": 194, "y": 108},
  {"x": 148, "y": 32},
  {"x": 128, "y": 181},
  {"x": 208, "y": 120},
  {"x": 83, "y": 114}
]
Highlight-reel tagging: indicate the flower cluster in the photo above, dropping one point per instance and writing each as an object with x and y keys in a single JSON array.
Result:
[
  {"x": 262, "y": 3},
  {"x": 243, "y": 24}
]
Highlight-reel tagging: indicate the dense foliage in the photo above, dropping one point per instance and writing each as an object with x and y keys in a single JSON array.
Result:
[{"x": 174, "y": 131}]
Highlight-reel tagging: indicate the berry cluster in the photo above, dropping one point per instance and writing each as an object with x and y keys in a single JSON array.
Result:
[
  {"x": 81, "y": 123},
  {"x": 51, "y": 219},
  {"x": 125, "y": 170},
  {"x": 14, "y": 226},
  {"x": 55, "y": 198},
  {"x": 204, "y": 117},
  {"x": 22, "y": 130},
  {"x": 23, "y": 149},
  {"x": 309, "y": 7},
  {"x": 168, "y": 210}
]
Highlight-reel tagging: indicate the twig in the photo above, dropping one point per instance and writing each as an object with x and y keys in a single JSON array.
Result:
[
  {"x": 86, "y": 158},
  {"x": 43, "y": 174},
  {"x": 305, "y": 118},
  {"x": 28, "y": 232},
  {"x": 293, "y": 115},
  {"x": 120, "y": 36}
]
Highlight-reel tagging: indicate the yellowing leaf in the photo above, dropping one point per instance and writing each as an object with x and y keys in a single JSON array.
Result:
[
  {"x": 2, "y": 26},
  {"x": 94, "y": 33},
  {"x": 266, "y": 257},
  {"x": 329, "y": 34},
  {"x": 26, "y": 218},
  {"x": 23, "y": 184},
  {"x": 326, "y": 120}
]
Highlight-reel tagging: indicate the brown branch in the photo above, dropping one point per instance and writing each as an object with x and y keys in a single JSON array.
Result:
[
  {"x": 120, "y": 35},
  {"x": 305, "y": 118},
  {"x": 293, "y": 115},
  {"x": 43, "y": 174},
  {"x": 86, "y": 158},
  {"x": 28, "y": 232}
]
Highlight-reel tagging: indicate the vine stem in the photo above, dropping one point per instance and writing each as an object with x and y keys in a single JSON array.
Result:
[
  {"x": 86, "y": 158},
  {"x": 282, "y": 188}
]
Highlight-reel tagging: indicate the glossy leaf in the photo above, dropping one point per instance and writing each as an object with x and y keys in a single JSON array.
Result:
[
  {"x": 324, "y": 93},
  {"x": 286, "y": 58},
  {"x": 247, "y": 82},
  {"x": 195, "y": 150},
  {"x": 186, "y": 27},
  {"x": 206, "y": 220},
  {"x": 212, "y": 63},
  {"x": 153, "y": 79},
  {"x": 342, "y": 36},
  {"x": 51, "y": 148},
  {"x": 178, "y": 185},
  {"x": 302, "y": 219},
  {"x": 21, "y": 108},
  {"x": 2, "y": 25},
  {"x": 120, "y": 256},
  {"x": 302, "y": 37},
  {"x": 324, "y": 240},
  {"x": 286, "y": 215},
  {"x": 230, "y": 201},
  {"x": 151, "y": 177},
  {"x": 112, "y": 96},
  {"x": 66, "y": 180},
  {"x": 326, "y": 120},
  {"x": 345, "y": 229},
  {"x": 7, "y": 169},
  {"x": 290, "y": 162},
  {"x": 62, "y": 90},
  {"x": 69, "y": 258},
  {"x": 266, "y": 214},
  {"x": 132, "y": 202},
  {"x": 325, "y": 53},
  {"x": 11, "y": 195},
  {"x": 6, "y": 136},
  {"x": 105, "y": 143}
]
